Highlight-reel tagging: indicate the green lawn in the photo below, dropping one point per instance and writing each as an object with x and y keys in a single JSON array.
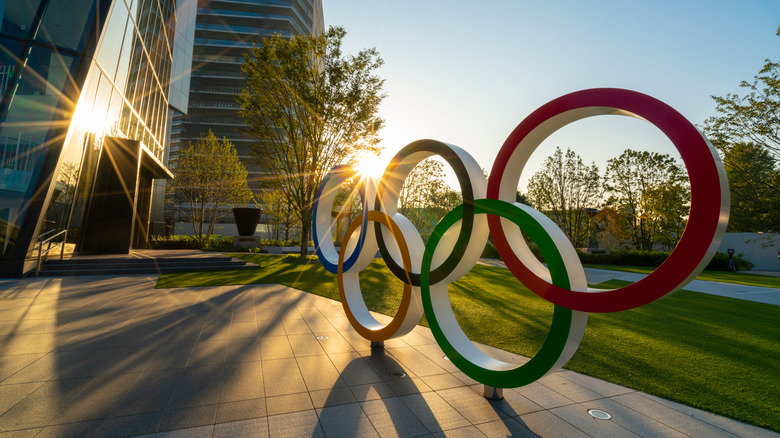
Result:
[
  {"x": 721, "y": 276},
  {"x": 714, "y": 353}
]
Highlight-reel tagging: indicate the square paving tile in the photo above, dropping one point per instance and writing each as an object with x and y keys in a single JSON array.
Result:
[
  {"x": 346, "y": 420},
  {"x": 282, "y": 377},
  {"x": 254, "y": 428},
  {"x": 241, "y": 410},
  {"x": 184, "y": 418},
  {"x": 242, "y": 381},
  {"x": 296, "y": 424},
  {"x": 283, "y": 404}
]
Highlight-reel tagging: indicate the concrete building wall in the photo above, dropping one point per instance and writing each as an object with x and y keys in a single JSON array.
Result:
[{"x": 760, "y": 248}]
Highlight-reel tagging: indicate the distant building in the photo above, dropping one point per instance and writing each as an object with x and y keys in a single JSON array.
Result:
[
  {"x": 84, "y": 115},
  {"x": 224, "y": 33}
]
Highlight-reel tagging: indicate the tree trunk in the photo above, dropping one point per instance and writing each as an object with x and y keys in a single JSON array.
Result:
[{"x": 305, "y": 225}]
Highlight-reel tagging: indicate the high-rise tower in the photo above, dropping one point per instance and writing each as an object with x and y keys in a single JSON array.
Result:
[{"x": 224, "y": 32}]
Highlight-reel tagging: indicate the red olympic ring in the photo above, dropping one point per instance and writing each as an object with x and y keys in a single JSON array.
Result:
[{"x": 709, "y": 196}]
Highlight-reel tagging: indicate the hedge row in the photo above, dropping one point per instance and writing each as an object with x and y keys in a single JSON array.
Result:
[
  {"x": 632, "y": 257},
  {"x": 213, "y": 243}
]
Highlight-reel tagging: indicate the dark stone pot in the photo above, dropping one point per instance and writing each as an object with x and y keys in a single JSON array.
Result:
[{"x": 247, "y": 219}]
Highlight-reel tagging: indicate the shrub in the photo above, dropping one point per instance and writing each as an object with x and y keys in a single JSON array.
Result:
[
  {"x": 632, "y": 257},
  {"x": 490, "y": 252},
  {"x": 297, "y": 258},
  {"x": 174, "y": 242},
  {"x": 219, "y": 243},
  {"x": 214, "y": 243},
  {"x": 721, "y": 262},
  {"x": 274, "y": 242}
]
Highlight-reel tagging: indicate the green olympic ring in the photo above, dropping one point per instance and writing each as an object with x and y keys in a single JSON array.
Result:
[{"x": 566, "y": 331}]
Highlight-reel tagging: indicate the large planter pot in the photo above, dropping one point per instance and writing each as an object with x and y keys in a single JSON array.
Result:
[{"x": 246, "y": 220}]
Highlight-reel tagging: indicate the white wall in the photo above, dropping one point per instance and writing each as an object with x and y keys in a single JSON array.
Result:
[{"x": 759, "y": 248}]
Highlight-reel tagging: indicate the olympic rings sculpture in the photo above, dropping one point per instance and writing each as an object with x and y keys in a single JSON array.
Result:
[{"x": 489, "y": 209}]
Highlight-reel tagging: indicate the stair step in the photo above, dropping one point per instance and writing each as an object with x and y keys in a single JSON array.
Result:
[
  {"x": 150, "y": 264},
  {"x": 74, "y": 271},
  {"x": 128, "y": 266}
]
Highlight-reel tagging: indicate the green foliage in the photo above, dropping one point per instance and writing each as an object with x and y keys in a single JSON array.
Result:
[
  {"x": 281, "y": 216},
  {"x": 563, "y": 189},
  {"x": 425, "y": 198},
  {"x": 209, "y": 177},
  {"x": 747, "y": 134},
  {"x": 210, "y": 243},
  {"x": 310, "y": 107},
  {"x": 651, "y": 195},
  {"x": 753, "y": 181},
  {"x": 720, "y": 262},
  {"x": 490, "y": 252},
  {"x": 297, "y": 258},
  {"x": 714, "y": 353},
  {"x": 632, "y": 257}
]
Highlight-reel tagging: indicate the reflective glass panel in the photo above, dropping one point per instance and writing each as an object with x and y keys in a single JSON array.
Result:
[
  {"x": 85, "y": 137},
  {"x": 41, "y": 100},
  {"x": 9, "y": 58},
  {"x": 18, "y": 16},
  {"x": 112, "y": 119},
  {"x": 66, "y": 23},
  {"x": 124, "y": 59},
  {"x": 124, "y": 121},
  {"x": 110, "y": 47}
]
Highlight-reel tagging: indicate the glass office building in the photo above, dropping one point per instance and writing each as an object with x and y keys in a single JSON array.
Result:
[
  {"x": 224, "y": 33},
  {"x": 86, "y": 95}
]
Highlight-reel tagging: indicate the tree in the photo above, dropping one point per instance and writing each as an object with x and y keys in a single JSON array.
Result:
[
  {"x": 281, "y": 216},
  {"x": 310, "y": 108},
  {"x": 747, "y": 134},
  {"x": 425, "y": 198},
  {"x": 613, "y": 229},
  {"x": 651, "y": 191},
  {"x": 522, "y": 198},
  {"x": 563, "y": 189},
  {"x": 753, "y": 181},
  {"x": 209, "y": 177}
]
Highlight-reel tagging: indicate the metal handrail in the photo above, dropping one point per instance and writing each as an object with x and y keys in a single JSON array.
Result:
[{"x": 41, "y": 252}]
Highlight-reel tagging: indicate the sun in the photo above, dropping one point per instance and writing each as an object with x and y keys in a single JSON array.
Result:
[{"x": 368, "y": 164}]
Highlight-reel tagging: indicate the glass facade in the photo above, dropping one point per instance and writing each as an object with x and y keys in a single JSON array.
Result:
[
  {"x": 224, "y": 32},
  {"x": 73, "y": 72}
]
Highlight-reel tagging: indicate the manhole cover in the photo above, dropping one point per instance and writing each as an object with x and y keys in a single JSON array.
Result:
[
  {"x": 397, "y": 374},
  {"x": 599, "y": 414},
  {"x": 322, "y": 337}
]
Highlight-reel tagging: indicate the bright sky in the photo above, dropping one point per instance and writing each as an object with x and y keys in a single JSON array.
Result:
[{"x": 467, "y": 72}]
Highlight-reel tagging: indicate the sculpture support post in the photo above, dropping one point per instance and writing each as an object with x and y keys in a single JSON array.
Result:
[{"x": 491, "y": 393}]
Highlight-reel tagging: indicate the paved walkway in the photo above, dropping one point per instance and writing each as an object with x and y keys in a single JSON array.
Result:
[
  {"x": 758, "y": 294},
  {"x": 112, "y": 356}
]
